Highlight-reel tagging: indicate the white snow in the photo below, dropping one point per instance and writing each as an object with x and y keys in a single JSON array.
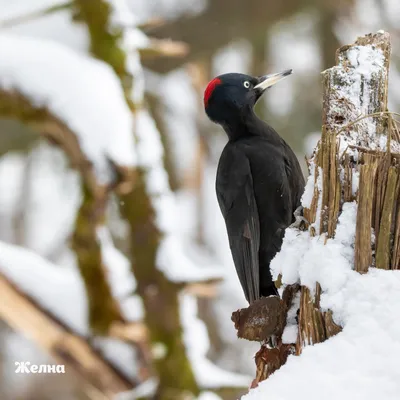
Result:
[
  {"x": 121, "y": 14},
  {"x": 291, "y": 329},
  {"x": 58, "y": 26},
  {"x": 67, "y": 83},
  {"x": 180, "y": 104},
  {"x": 360, "y": 361},
  {"x": 308, "y": 194},
  {"x": 365, "y": 64},
  {"x": 179, "y": 267},
  {"x": 124, "y": 22},
  {"x": 120, "y": 277},
  {"x": 49, "y": 201},
  {"x": 121, "y": 354},
  {"x": 59, "y": 290},
  {"x": 310, "y": 142},
  {"x": 171, "y": 257},
  {"x": 197, "y": 345},
  {"x": 301, "y": 255}
]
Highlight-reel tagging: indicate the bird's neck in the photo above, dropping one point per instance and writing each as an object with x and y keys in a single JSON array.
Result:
[{"x": 247, "y": 124}]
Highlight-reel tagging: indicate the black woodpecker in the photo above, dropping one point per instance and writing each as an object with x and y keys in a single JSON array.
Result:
[{"x": 259, "y": 181}]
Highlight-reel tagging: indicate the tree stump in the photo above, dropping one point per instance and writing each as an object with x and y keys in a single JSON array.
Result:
[{"x": 357, "y": 159}]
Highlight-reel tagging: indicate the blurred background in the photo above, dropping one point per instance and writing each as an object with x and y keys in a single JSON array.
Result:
[{"x": 114, "y": 259}]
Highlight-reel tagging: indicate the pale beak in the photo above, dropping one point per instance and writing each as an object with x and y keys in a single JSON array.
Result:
[{"x": 267, "y": 81}]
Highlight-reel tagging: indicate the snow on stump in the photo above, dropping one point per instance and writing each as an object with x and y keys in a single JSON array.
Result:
[
  {"x": 355, "y": 144},
  {"x": 351, "y": 203}
]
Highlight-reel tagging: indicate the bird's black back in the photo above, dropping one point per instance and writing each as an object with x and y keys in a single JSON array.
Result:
[{"x": 259, "y": 186}]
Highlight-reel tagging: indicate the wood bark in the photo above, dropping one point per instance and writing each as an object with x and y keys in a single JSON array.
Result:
[
  {"x": 347, "y": 119},
  {"x": 339, "y": 110}
]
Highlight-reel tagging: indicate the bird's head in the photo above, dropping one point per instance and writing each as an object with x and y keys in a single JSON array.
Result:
[{"x": 230, "y": 96}]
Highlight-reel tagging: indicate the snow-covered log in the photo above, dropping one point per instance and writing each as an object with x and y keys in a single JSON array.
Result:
[{"x": 97, "y": 140}]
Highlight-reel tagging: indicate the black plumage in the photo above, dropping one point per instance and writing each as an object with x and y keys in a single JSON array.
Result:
[{"x": 259, "y": 180}]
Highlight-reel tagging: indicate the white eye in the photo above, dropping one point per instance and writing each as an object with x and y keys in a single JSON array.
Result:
[{"x": 246, "y": 84}]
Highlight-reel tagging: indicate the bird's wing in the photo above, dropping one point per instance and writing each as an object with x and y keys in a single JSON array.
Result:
[{"x": 234, "y": 186}]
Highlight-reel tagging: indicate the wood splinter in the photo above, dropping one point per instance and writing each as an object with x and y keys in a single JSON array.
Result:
[{"x": 265, "y": 317}]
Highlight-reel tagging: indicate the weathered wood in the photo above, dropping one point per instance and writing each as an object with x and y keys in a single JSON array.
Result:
[
  {"x": 270, "y": 360},
  {"x": 347, "y": 95},
  {"x": 331, "y": 328},
  {"x": 395, "y": 262},
  {"x": 383, "y": 242},
  {"x": 262, "y": 319},
  {"x": 311, "y": 320},
  {"x": 363, "y": 251}
]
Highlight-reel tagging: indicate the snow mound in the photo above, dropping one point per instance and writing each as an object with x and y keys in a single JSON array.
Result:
[
  {"x": 360, "y": 362},
  {"x": 82, "y": 92}
]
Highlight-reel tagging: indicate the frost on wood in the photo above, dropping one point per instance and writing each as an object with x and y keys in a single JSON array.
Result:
[{"x": 354, "y": 89}]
